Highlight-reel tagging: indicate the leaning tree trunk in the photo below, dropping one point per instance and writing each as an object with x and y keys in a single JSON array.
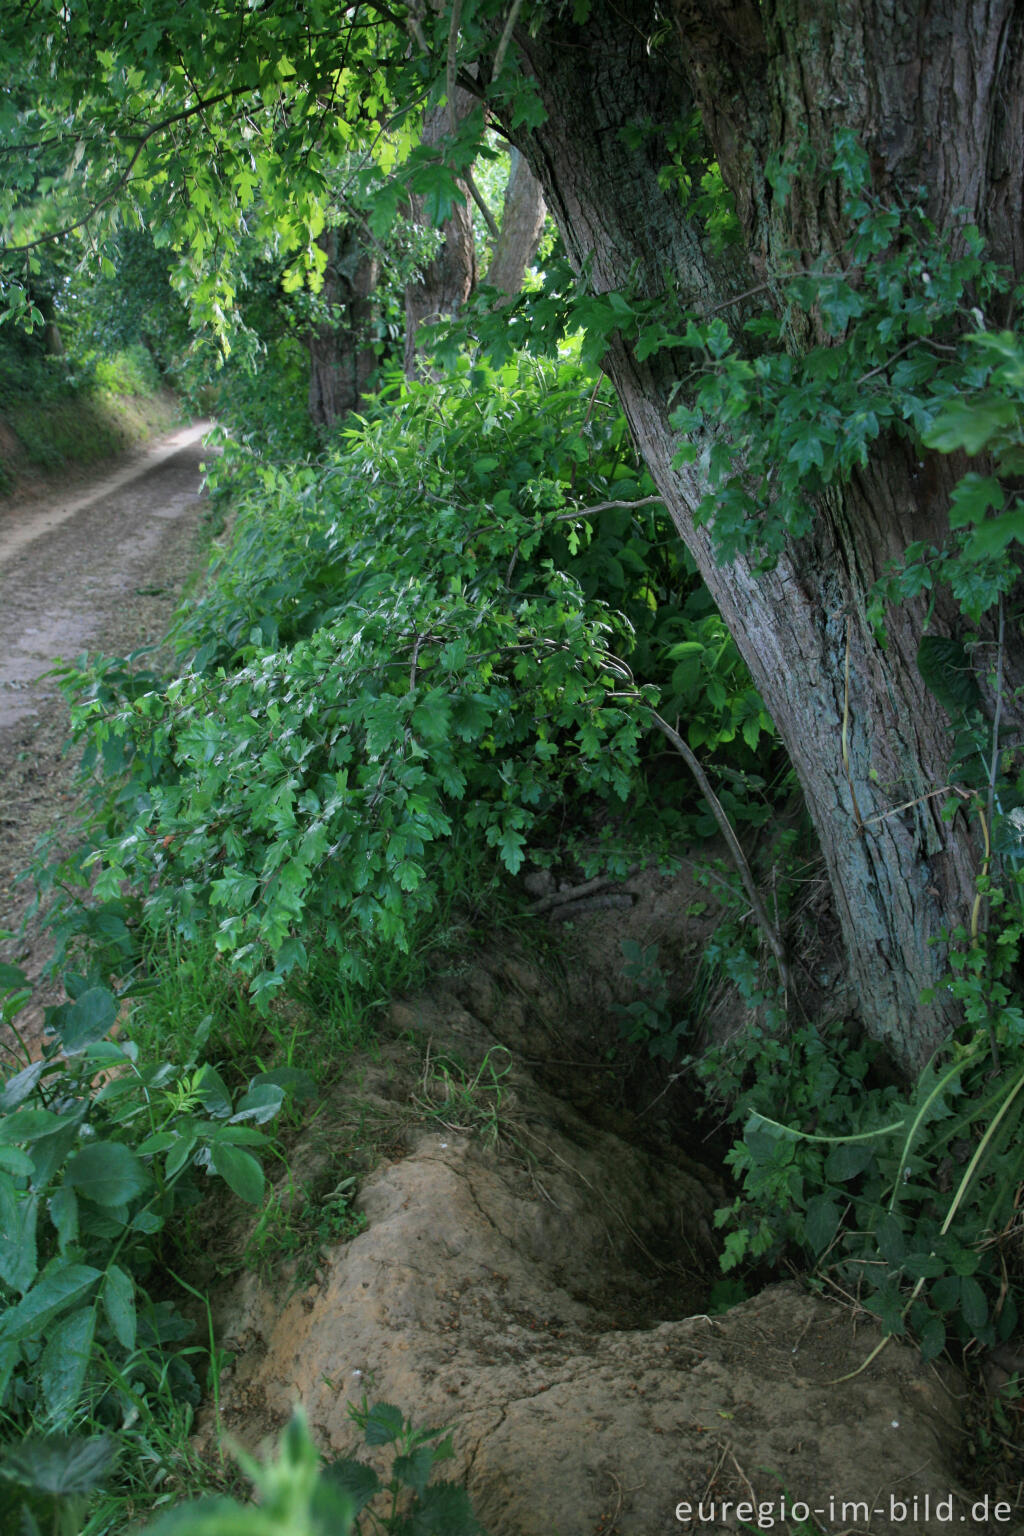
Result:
[
  {"x": 342, "y": 359},
  {"x": 445, "y": 283},
  {"x": 522, "y": 221},
  {"x": 934, "y": 95}
]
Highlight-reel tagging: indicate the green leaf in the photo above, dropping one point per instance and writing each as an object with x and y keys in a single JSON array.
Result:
[
  {"x": 354, "y": 1478},
  {"x": 14, "y": 1160},
  {"x": 213, "y": 1093},
  {"x": 892, "y": 1244},
  {"x": 932, "y": 1338},
  {"x": 18, "y": 1214},
  {"x": 296, "y": 1081},
  {"x": 119, "y": 1305},
  {"x": 973, "y": 1304},
  {"x": 108, "y": 1173},
  {"x": 384, "y": 1424},
  {"x": 260, "y": 1104},
  {"x": 971, "y": 424},
  {"x": 973, "y": 497},
  {"x": 239, "y": 1170},
  {"x": 846, "y": 1160},
  {"x": 12, "y": 977},
  {"x": 49, "y": 1152},
  {"x": 821, "y": 1222},
  {"x": 17, "y": 1088},
  {"x": 52, "y": 1294},
  {"x": 414, "y": 1470},
  {"x": 59, "y": 1465},
  {"x": 87, "y": 1020},
  {"x": 991, "y": 537},
  {"x": 65, "y": 1361},
  {"x": 63, "y": 1208},
  {"x": 444, "y": 1510},
  {"x": 28, "y": 1125},
  {"x": 946, "y": 668}
]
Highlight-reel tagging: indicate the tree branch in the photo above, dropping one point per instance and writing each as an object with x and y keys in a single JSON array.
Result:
[
  {"x": 739, "y": 858},
  {"x": 477, "y": 196},
  {"x": 125, "y": 176},
  {"x": 506, "y": 38}
]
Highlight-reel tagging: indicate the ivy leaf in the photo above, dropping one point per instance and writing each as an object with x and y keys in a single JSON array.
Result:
[
  {"x": 806, "y": 452},
  {"x": 107, "y": 1173},
  {"x": 970, "y": 424},
  {"x": 972, "y": 497},
  {"x": 992, "y": 536}
]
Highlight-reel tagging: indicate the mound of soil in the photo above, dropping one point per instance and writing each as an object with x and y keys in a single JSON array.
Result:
[{"x": 536, "y": 1275}]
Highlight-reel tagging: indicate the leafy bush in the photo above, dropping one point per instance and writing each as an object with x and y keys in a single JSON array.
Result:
[
  {"x": 300, "y": 1497},
  {"x": 99, "y": 1148},
  {"x": 399, "y": 652},
  {"x": 899, "y": 1197}
]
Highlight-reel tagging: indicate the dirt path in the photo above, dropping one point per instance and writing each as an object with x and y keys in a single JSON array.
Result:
[{"x": 97, "y": 566}]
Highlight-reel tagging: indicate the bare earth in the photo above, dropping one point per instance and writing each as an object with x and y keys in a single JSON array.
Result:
[
  {"x": 96, "y": 565},
  {"x": 538, "y": 1280}
]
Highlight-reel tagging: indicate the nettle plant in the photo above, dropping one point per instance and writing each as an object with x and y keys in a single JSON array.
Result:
[
  {"x": 99, "y": 1149},
  {"x": 400, "y": 651}
]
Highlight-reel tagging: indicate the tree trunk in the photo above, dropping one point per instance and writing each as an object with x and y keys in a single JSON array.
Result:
[
  {"x": 342, "y": 361},
  {"x": 446, "y": 282},
  {"x": 522, "y": 221},
  {"x": 934, "y": 96}
]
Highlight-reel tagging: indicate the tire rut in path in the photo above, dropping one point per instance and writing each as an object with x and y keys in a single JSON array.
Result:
[{"x": 96, "y": 567}]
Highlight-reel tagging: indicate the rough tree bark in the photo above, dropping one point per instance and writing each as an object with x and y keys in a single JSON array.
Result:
[
  {"x": 446, "y": 282},
  {"x": 522, "y": 221},
  {"x": 934, "y": 94},
  {"x": 342, "y": 361}
]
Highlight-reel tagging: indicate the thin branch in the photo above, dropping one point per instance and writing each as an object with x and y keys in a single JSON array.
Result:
[
  {"x": 452, "y": 68},
  {"x": 908, "y": 805},
  {"x": 489, "y": 220},
  {"x": 993, "y": 773},
  {"x": 506, "y": 38},
  {"x": 606, "y": 506},
  {"x": 857, "y": 820},
  {"x": 739, "y": 858}
]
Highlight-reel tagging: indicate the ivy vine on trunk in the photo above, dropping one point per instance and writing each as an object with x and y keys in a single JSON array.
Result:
[{"x": 763, "y": 94}]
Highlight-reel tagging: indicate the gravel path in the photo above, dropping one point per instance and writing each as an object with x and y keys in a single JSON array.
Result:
[{"x": 95, "y": 566}]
